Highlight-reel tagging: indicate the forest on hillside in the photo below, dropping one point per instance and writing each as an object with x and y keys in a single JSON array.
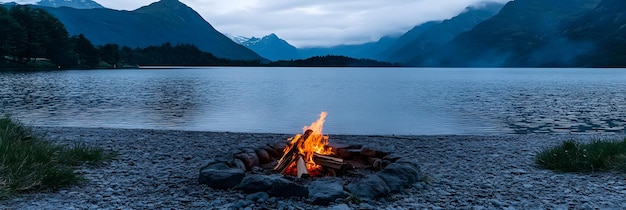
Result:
[{"x": 33, "y": 38}]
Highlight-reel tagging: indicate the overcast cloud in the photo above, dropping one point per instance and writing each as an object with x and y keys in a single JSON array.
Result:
[{"x": 314, "y": 23}]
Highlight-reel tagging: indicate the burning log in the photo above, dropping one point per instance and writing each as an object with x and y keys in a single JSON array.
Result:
[
  {"x": 328, "y": 161},
  {"x": 301, "y": 166},
  {"x": 292, "y": 154}
]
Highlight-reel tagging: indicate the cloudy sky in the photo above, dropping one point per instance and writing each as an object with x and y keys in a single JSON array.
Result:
[{"x": 313, "y": 23}]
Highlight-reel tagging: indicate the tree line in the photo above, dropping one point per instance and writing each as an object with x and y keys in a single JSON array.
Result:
[
  {"x": 29, "y": 35},
  {"x": 332, "y": 61}
]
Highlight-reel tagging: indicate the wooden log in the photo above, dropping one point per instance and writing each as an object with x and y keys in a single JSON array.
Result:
[
  {"x": 328, "y": 161},
  {"x": 301, "y": 167},
  {"x": 290, "y": 155}
]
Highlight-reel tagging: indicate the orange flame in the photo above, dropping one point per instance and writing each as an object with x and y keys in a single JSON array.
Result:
[{"x": 316, "y": 142}]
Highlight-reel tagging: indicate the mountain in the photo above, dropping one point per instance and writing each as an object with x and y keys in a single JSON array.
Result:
[
  {"x": 604, "y": 28},
  {"x": 431, "y": 35},
  {"x": 271, "y": 47},
  {"x": 160, "y": 22},
  {"x": 78, "y": 4},
  {"x": 525, "y": 33},
  {"x": 407, "y": 38},
  {"x": 370, "y": 50},
  {"x": 9, "y": 4}
]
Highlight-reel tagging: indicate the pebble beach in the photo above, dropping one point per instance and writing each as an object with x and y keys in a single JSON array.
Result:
[{"x": 158, "y": 169}]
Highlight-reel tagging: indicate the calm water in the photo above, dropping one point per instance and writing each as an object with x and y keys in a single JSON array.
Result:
[{"x": 399, "y": 101}]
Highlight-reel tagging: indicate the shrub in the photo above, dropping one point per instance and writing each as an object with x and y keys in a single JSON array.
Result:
[
  {"x": 28, "y": 163},
  {"x": 572, "y": 156}
]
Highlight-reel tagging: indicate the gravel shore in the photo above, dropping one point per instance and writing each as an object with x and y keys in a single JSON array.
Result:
[{"x": 158, "y": 169}]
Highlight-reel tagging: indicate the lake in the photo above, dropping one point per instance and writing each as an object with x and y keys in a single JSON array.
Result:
[{"x": 370, "y": 101}]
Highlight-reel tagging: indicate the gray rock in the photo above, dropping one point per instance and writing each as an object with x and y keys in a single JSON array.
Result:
[
  {"x": 271, "y": 151},
  {"x": 258, "y": 197},
  {"x": 392, "y": 157},
  {"x": 370, "y": 187},
  {"x": 217, "y": 174},
  {"x": 285, "y": 188},
  {"x": 239, "y": 164},
  {"x": 248, "y": 157},
  {"x": 257, "y": 183},
  {"x": 325, "y": 191},
  {"x": 339, "y": 207},
  {"x": 241, "y": 204},
  {"x": 263, "y": 155},
  {"x": 398, "y": 176},
  {"x": 366, "y": 206}
]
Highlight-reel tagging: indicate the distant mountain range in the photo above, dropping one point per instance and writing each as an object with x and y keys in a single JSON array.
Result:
[
  {"x": 369, "y": 50},
  {"x": 421, "y": 38},
  {"x": 78, "y": 4},
  {"x": 270, "y": 47},
  {"x": 160, "y": 22}
]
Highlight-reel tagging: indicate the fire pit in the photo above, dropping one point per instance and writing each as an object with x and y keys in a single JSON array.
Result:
[{"x": 308, "y": 165}]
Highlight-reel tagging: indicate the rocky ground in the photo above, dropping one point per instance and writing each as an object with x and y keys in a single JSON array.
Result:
[{"x": 158, "y": 169}]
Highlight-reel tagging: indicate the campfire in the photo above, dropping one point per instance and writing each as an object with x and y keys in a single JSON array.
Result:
[
  {"x": 308, "y": 154},
  {"x": 371, "y": 173}
]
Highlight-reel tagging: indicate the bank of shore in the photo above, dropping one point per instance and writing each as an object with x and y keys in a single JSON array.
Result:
[{"x": 158, "y": 169}]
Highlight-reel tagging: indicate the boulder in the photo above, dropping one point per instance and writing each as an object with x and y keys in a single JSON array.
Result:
[
  {"x": 285, "y": 188},
  {"x": 324, "y": 191},
  {"x": 218, "y": 175},
  {"x": 271, "y": 151},
  {"x": 257, "y": 183},
  {"x": 263, "y": 155},
  {"x": 239, "y": 164},
  {"x": 371, "y": 187},
  {"x": 248, "y": 157},
  {"x": 398, "y": 176}
]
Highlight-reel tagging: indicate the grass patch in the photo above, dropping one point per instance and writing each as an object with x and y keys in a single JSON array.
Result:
[
  {"x": 28, "y": 163},
  {"x": 572, "y": 156},
  {"x": 81, "y": 154}
]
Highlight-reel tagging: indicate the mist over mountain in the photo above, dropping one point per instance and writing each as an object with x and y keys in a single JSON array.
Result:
[
  {"x": 526, "y": 33},
  {"x": 274, "y": 48},
  {"x": 604, "y": 29},
  {"x": 78, "y": 4},
  {"x": 370, "y": 50},
  {"x": 160, "y": 22},
  {"x": 431, "y": 35},
  {"x": 421, "y": 38},
  {"x": 406, "y": 38},
  {"x": 271, "y": 47}
]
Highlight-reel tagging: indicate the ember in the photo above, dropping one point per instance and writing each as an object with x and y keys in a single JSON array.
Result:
[{"x": 306, "y": 152}]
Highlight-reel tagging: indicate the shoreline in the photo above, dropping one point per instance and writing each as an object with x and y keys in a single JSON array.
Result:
[{"x": 159, "y": 169}]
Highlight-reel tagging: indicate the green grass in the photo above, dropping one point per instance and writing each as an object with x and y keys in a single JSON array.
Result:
[
  {"x": 29, "y": 163},
  {"x": 572, "y": 156}
]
